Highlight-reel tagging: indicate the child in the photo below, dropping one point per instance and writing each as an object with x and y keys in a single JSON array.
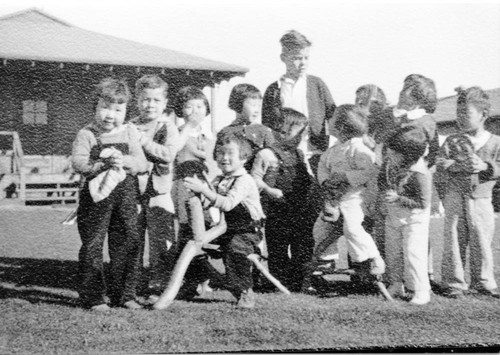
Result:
[
  {"x": 406, "y": 183},
  {"x": 349, "y": 162},
  {"x": 94, "y": 218},
  {"x": 237, "y": 196},
  {"x": 381, "y": 124},
  {"x": 246, "y": 101},
  {"x": 192, "y": 105},
  {"x": 282, "y": 178},
  {"x": 469, "y": 215},
  {"x": 159, "y": 139},
  {"x": 417, "y": 101},
  {"x": 304, "y": 93}
]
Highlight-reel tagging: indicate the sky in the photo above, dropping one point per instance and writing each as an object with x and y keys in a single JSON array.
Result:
[{"x": 354, "y": 43}]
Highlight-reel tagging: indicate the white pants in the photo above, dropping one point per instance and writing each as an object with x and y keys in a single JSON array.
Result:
[
  {"x": 360, "y": 244},
  {"x": 468, "y": 223},
  {"x": 406, "y": 246}
]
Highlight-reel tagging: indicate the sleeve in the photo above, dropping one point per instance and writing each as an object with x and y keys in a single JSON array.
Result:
[
  {"x": 420, "y": 188},
  {"x": 269, "y": 140},
  {"x": 263, "y": 160},
  {"x": 165, "y": 152},
  {"x": 271, "y": 108},
  {"x": 323, "y": 171},
  {"x": 240, "y": 189},
  {"x": 328, "y": 100},
  {"x": 365, "y": 168},
  {"x": 493, "y": 162},
  {"x": 80, "y": 156},
  {"x": 134, "y": 162}
]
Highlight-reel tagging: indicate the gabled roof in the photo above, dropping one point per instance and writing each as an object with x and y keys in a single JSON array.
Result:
[
  {"x": 446, "y": 110},
  {"x": 35, "y": 35}
]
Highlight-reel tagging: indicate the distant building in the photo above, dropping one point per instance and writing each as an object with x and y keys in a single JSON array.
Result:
[
  {"x": 446, "y": 113},
  {"x": 48, "y": 72}
]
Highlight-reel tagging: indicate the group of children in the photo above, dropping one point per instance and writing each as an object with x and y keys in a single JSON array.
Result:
[{"x": 310, "y": 173}]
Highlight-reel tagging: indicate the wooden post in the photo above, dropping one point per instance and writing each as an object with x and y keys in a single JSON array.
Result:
[{"x": 214, "y": 91}]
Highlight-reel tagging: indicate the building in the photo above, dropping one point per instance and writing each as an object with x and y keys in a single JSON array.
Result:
[
  {"x": 446, "y": 113},
  {"x": 48, "y": 71}
]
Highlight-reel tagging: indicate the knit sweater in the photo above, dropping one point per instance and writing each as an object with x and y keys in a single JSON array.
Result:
[
  {"x": 90, "y": 166},
  {"x": 320, "y": 106}
]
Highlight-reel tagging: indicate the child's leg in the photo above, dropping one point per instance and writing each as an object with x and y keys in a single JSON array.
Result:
[
  {"x": 394, "y": 255},
  {"x": 278, "y": 240},
  {"x": 161, "y": 234},
  {"x": 481, "y": 254},
  {"x": 93, "y": 220},
  {"x": 124, "y": 249},
  {"x": 455, "y": 241},
  {"x": 361, "y": 245},
  {"x": 416, "y": 248},
  {"x": 238, "y": 266}
]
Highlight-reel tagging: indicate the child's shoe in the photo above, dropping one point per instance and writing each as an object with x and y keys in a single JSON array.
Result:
[
  {"x": 133, "y": 305},
  {"x": 103, "y": 307},
  {"x": 246, "y": 299},
  {"x": 421, "y": 298},
  {"x": 331, "y": 213},
  {"x": 397, "y": 289},
  {"x": 377, "y": 266},
  {"x": 489, "y": 292}
]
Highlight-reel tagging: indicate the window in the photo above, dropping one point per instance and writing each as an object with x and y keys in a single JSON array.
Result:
[{"x": 34, "y": 112}]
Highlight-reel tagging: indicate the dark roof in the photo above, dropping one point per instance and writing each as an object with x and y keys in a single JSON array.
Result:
[
  {"x": 35, "y": 35},
  {"x": 446, "y": 110}
]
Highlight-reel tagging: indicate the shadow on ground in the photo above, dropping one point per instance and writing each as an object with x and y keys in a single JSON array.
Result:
[{"x": 39, "y": 280}]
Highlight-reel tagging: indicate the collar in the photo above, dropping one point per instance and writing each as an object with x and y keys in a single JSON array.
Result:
[
  {"x": 411, "y": 115},
  {"x": 287, "y": 80},
  {"x": 238, "y": 172},
  {"x": 420, "y": 166},
  {"x": 479, "y": 141}
]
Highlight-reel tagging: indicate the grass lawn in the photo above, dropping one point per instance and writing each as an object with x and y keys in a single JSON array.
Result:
[{"x": 38, "y": 304}]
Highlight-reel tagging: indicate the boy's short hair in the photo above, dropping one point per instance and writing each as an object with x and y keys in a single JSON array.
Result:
[
  {"x": 368, "y": 94},
  {"x": 113, "y": 90},
  {"x": 293, "y": 117},
  {"x": 294, "y": 40},
  {"x": 189, "y": 93},
  {"x": 151, "y": 81},
  {"x": 242, "y": 143},
  {"x": 473, "y": 96},
  {"x": 351, "y": 120},
  {"x": 423, "y": 91},
  {"x": 240, "y": 93},
  {"x": 409, "y": 141}
]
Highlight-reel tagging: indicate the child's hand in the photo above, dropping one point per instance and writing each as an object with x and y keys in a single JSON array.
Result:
[
  {"x": 116, "y": 160},
  {"x": 337, "y": 178},
  {"x": 391, "y": 196},
  {"x": 194, "y": 184},
  {"x": 478, "y": 164},
  {"x": 275, "y": 193},
  {"x": 445, "y": 163}
]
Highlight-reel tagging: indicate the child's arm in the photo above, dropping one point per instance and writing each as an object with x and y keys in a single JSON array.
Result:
[
  {"x": 80, "y": 157},
  {"x": 235, "y": 195},
  {"x": 365, "y": 168},
  {"x": 420, "y": 190},
  {"x": 164, "y": 152},
  {"x": 269, "y": 140},
  {"x": 134, "y": 162},
  {"x": 263, "y": 161}
]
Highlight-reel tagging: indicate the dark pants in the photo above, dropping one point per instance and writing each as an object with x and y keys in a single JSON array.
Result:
[
  {"x": 160, "y": 228},
  {"x": 285, "y": 231},
  {"x": 236, "y": 248},
  {"x": 93, "y": 223}
]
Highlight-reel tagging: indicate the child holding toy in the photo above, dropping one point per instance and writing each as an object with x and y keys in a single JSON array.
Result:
[{"x": 94, "y": 216}]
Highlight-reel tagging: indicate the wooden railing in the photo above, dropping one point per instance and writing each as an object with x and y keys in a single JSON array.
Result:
[{"x": 17, "y": 162}]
